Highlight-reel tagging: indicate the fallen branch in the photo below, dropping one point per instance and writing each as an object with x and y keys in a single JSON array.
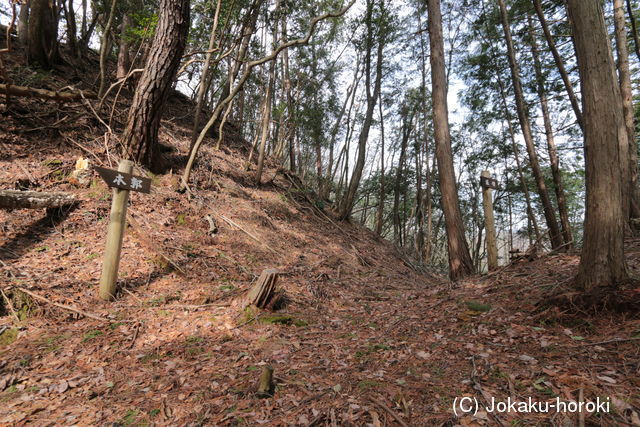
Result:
[
  {"x": 62, "y": 306},
  {"x": 51, "y": 95},
  {"x": 233, "y": 224},
  {"x": 15, "y": 199},
  {"x": 389, "y": 411},
  {"x": 607, "y": 342},
  {"x": 10, "y": 305}
]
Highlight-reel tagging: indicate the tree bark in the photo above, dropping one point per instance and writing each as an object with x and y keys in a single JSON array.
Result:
[
  {"x": 602, "y": 262},
  {"x": 140, "y": 138},
  {"x": 460, "y": 262},
  {"x": 624, "y": 76},
  {"x": 554, "y": 231}
]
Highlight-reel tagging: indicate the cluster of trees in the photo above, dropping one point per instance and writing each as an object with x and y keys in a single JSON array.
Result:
[{"x": 356, "y": 98}]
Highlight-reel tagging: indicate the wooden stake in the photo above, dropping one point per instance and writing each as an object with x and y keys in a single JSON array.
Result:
[
  {"x": 266, "y": 385},
  {"x": 115, "y": 234},
  {"x": 487, "y": 201}
]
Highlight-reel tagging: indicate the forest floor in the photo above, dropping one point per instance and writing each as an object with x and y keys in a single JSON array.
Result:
[{"x": 364, "y": 339}]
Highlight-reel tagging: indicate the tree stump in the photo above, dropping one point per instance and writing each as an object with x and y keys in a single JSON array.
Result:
[{"x": 263, "y": 290}]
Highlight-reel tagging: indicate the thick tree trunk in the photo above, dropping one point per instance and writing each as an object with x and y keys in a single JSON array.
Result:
[
  {"x": 140, "y": 138},
  {"x": 43, "y": 32},
  {"x": 624, "y": 76},
  {"x": 460, "y": 262},
  {"x": 554, "y": 231},
  {"x": 551, "y": 144},
  {"x": 559, "y": 64},
  {"x": 602, "y": 262}
]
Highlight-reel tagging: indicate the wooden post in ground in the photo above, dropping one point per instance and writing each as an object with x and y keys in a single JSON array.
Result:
[
  {"x": 487, "y": 202},
  {"x": 115, "y": 233}
]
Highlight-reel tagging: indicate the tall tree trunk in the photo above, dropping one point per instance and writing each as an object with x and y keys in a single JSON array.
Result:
[
  {"x": 124, "y": 61},
  {"x": 549, "y": 214},
  {"x": 419, "y": 215},
  {"x": 602, "y": 262},
  {"x": 266, "y": 119},
  {"x": 460, "y": 263},
  {"x": 140, "y": 138},
  {"x": 372, "y": 98},
  {"x": 43, "y": 32},
  {"x": 326, "y": 188},
  {"x": 634, "y": 29},
  {"x": 23, "y": 23},
  {"x": 624, "y": 75},
  {"x": 530, "y": 214},
  {"x": 380, "y": 211},
  {"x": 559, "y": 64},
  {"x": 72, "y": 32},
  {"x": 105, "y": 47},
  {"x": 204, "y": 76},
  {"x": 551, "y": 144},
  {"x": 248, "y": 29},
  {"x": 407, "y": 120}
]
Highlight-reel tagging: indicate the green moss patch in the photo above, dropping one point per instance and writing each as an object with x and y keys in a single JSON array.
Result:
[
  {"x": 8, "y": 337},
  {"x": 478, "y": 306}
]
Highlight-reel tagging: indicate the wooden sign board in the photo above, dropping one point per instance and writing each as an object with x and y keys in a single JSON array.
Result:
[
  {"x": 488, "y": 183},
  {"x": 124, "y": 181}
]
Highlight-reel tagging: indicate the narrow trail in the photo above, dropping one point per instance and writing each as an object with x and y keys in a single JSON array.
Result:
[{"x": 362, "y": 340}]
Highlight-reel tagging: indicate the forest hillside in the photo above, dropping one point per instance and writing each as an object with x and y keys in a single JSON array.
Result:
[{"x": 357, "y": 334}]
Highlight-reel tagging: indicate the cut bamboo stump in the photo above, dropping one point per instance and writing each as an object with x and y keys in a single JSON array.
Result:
[
  {"x": 263, "y": 290},
  {"x": 14, "y": 199},
  {"x": 266, "y": 387}
]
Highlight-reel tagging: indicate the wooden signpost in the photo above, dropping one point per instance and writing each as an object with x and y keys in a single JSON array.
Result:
[
  {"x": 488, "y": 184},
  {"x": 122, "y": 181}
]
